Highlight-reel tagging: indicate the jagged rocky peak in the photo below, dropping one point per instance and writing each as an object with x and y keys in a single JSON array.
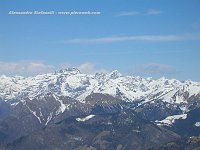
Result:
[
  {"x": 100, "y": 76},
  {"x": 72, "y": 70},
  {"x": 115, "y": 74}
]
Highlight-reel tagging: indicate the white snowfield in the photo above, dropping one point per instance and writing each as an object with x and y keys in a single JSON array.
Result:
[
  {"x": 85, "y": 118},
  {"x": 171, "y": 119},
  {"x": 70, "y": 82}
]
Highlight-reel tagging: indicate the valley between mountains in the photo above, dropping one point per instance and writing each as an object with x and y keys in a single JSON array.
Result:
[{"x": 67, "y": 110}]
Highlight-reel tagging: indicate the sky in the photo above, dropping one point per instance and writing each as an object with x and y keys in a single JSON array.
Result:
[{"x": 136, "y": 37}]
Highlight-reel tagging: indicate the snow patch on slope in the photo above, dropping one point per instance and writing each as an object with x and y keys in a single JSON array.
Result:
[
  {"x": 85, "y": 118},
  {"x": 49, "y": 118},
  {"x": 197, "y": 124},
  {"x": 171, "y": 119},
  {"x": 35, "y": 114}
]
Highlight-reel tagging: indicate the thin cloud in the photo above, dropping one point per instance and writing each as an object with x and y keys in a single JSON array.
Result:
[
  {"x": 154, "y": 69},
  {"x": 153, "y": 12},
  {"x": 149, "y": 12},
  {"x": 131, "y": 13},
  {"x": 24, "y": 68},
  {"x": 145, "y": 38},
  {"x": 90, "y": 68},
  {"x": 29, "y": 68}
]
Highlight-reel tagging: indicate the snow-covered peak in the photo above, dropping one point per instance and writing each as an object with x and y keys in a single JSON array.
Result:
[
  {"x": 100, "y": 76},
  {"x": 115, "y": 74},
  {"x": 70, "y": 82}
]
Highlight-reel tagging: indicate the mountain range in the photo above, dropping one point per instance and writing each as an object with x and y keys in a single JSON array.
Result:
[{"x": 72, "y": 105}]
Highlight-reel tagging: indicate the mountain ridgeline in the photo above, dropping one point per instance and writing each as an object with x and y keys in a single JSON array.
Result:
[{"x": 70, "y": 110}]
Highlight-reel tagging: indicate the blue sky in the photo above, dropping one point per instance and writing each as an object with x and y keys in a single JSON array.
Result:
[{"x": 138, "y": 37}]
